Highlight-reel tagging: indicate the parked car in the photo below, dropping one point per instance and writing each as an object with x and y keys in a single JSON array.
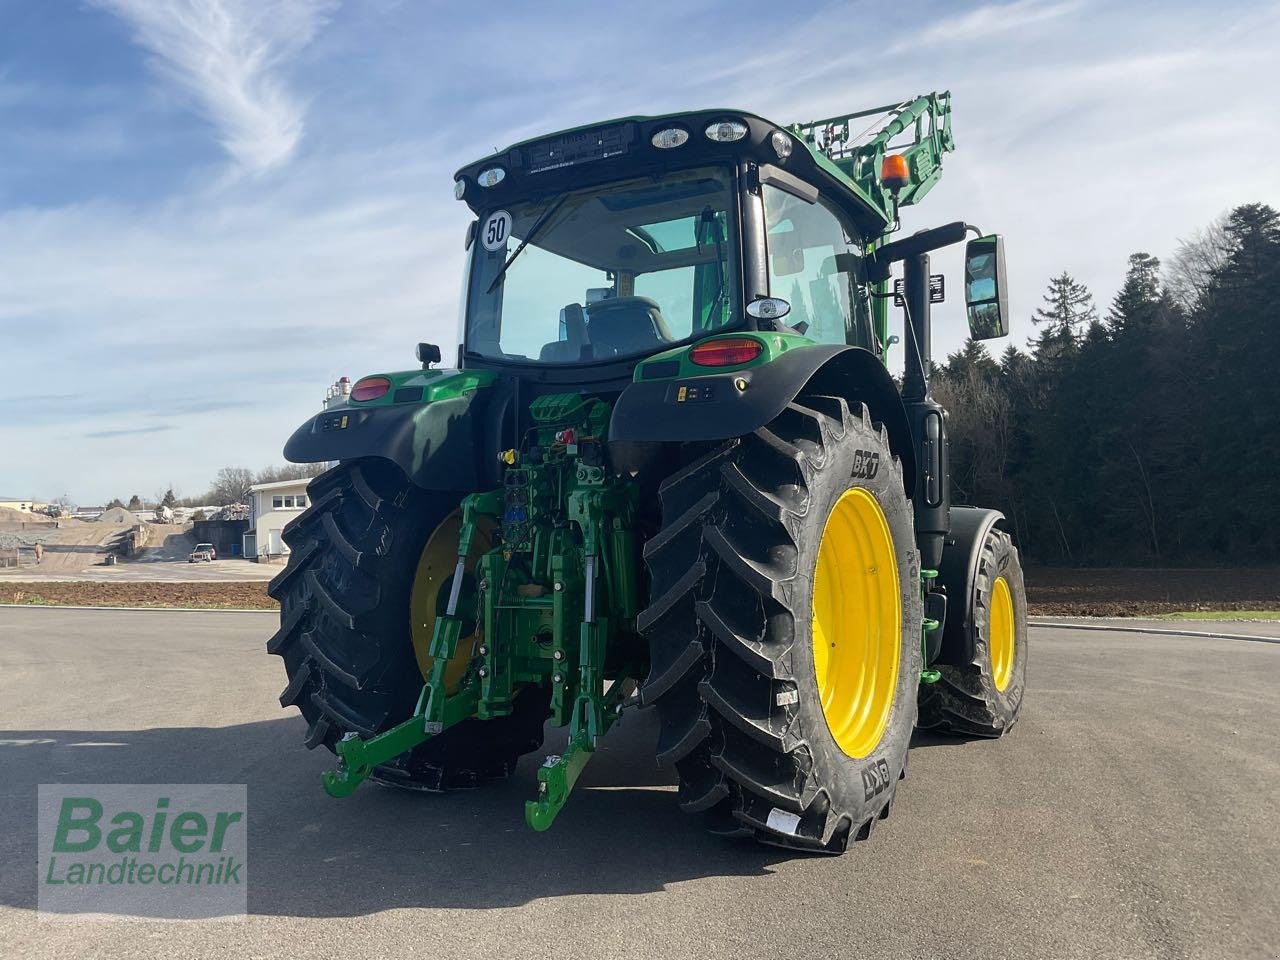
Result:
[{"x": 203, "y": 551}]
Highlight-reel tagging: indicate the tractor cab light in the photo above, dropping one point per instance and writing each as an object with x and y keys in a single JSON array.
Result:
[
  {"x": 726, "y": 131},
  {"x": 491, "y": 177},
  {"x": 725, "y": 352},
  {"x": 894, "y": 172},
  {"x": 781, "y": 144},
  {"x": 459, "y": 189},
  {"x": 370, "y": 388},
  {"x": 670, "y": 137},
  {"x": 768, "y": 308}
]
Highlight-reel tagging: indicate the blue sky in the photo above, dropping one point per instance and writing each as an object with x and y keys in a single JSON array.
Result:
[{"x": 211, "y": 209}]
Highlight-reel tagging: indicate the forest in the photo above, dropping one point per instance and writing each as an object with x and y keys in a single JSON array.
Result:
[{"x": 1148, "y": 435}]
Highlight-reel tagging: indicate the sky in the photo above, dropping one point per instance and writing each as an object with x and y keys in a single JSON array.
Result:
[{"x": 212, "y": 209}]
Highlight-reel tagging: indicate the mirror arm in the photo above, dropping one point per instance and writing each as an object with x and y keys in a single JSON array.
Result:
[{"x": 879, "y": 263}]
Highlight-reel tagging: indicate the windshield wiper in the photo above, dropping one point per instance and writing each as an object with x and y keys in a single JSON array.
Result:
[{"x": 533, "y": 232}]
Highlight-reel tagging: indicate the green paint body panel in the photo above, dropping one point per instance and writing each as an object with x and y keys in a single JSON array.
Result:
[{"x": 436, "y": 384}]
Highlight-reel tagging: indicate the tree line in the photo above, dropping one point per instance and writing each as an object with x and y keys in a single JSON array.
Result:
[{"x": 1149, "y": 435}]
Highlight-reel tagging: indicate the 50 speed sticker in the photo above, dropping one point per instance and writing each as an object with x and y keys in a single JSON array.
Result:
[{"x": 496, "y": 231}]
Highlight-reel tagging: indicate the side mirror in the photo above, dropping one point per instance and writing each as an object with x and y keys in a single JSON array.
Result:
[
  {"x": 428, "y": 353},
  {"x": 985, "y": 292}
]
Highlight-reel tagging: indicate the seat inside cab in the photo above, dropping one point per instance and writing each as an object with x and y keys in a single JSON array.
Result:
[{"x": 613, "y": 327}]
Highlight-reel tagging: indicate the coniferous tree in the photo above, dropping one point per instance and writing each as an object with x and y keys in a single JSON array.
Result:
[
  {"x": 1150, "y": 436},
  {"x": 1068, "y": 308},
  {"x": 1236, "y": 336}
]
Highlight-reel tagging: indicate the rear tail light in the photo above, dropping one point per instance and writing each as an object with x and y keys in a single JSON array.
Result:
[
  {"x": 727, "y": 352},
  {"x": 370, "y": 388}
]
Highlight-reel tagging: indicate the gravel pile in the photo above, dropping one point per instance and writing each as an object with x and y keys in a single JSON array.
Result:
[{"x": 118, "y": 515}]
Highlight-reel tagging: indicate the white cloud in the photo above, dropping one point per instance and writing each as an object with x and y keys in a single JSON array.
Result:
[
  {"x": 985, "y": 23},
  {"x": 227, "y": 55},
  {"x": 162, "y": 343}
]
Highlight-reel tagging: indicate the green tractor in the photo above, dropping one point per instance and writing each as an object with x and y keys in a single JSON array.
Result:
[{"x": 670, "y": 470}]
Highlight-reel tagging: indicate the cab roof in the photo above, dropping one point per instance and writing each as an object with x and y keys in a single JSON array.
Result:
[{"x": 612, "y": 149}]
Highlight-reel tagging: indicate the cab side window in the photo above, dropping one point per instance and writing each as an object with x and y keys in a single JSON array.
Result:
[{"x": 825, "y": 293}]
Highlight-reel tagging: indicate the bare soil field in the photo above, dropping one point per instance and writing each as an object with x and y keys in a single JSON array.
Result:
[
  {"x": 1059, "y": 591},
  {"x": 1051, "y": 591},
  {"x": 134, "y": 594}
]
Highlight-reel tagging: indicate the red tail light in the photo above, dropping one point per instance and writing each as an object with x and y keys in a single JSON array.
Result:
[
  {"x": 370, "y": 388},
  {"x": 725, "y": 352}
]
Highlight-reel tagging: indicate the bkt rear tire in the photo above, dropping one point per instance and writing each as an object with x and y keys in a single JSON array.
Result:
[
  {"x": 796, "y": 532},
  {"x": 984, "y": 698},
  {"x": 345, "y": 632}
]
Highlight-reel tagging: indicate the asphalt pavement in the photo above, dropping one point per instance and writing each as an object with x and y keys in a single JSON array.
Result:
[{"x": 1132, "y": 813}]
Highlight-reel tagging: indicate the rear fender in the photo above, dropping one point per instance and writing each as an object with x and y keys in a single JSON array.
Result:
[
  {"x": 442, "y": 439},
  {"x": 715, "y": 406}
]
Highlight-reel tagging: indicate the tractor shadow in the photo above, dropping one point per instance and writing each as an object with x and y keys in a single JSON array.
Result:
[
  {"x": 314, "y": 856},
  {"x": 923, "y": 739}
]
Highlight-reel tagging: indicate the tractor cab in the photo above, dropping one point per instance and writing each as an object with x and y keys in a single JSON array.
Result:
[{"x": 606, "y": 245}]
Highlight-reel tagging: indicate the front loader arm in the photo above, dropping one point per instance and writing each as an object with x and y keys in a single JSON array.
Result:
[{"x": 926, "y": 119}]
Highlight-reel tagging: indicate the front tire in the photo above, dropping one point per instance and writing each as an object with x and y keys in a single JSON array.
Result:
[
  {"x": 984, "y": 698},
  {"x": 762, "y": 724},
  {"x": 346, "y": 632}
]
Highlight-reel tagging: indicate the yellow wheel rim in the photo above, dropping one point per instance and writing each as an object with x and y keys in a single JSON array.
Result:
[
  {"x": 857, "y": 622},
  {"x": 1001, "y": 633},
  {"x": 435, "y": 568}
]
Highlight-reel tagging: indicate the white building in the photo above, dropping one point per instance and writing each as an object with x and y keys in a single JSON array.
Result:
[
  {"x": 271, "y": 506},
  {"x": 26, "y": 506}
]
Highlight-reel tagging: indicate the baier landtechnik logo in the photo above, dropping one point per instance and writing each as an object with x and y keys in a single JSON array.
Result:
[{"x": 167, "y": 851}]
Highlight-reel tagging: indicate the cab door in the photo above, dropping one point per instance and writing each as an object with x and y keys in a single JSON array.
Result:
[{"x": 815, "y": 263}]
